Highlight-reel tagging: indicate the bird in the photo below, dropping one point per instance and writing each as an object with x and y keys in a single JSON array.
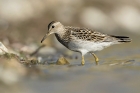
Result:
[{"x": 83, "y": 40}]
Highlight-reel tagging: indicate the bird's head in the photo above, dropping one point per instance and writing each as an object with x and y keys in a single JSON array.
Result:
[{"x": 53, "y": 27}]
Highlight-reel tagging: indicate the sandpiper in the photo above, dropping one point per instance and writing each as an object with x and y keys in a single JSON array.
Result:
[{"x": 83, "y": 40}]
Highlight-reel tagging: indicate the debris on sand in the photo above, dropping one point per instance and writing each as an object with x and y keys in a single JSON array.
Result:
[{"x": 3, "y": 49}]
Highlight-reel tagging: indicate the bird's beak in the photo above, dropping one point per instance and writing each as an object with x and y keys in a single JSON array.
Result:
[{"x": 44, "y": 37}]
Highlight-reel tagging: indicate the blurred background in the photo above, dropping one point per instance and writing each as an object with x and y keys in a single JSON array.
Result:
[
  {"x": 23, "y": 23},
  {"x": 26, "y": 20}
]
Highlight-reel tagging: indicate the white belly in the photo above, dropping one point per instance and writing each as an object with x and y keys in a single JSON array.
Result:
[{"x": 88, "y": 46}]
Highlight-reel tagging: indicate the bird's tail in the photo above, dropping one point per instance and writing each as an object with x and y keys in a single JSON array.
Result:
[{"x": 122, "y": 39}]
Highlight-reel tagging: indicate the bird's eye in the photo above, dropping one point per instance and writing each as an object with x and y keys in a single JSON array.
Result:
[{"x": 53, "y": 26}]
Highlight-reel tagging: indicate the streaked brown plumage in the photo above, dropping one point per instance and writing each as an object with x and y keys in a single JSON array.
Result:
[{"x": 83, "y": 40}]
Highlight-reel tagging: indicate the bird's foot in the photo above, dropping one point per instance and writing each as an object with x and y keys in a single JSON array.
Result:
[
  {"x": 83, "y": 61},
  {"x": 96, "y": 58}
]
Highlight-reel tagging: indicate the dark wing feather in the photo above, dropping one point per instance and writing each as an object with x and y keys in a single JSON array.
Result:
[{"x": 122, "y": 38}]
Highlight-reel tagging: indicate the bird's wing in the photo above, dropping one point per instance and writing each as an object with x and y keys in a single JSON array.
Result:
[{"x": 88, "y": 35}]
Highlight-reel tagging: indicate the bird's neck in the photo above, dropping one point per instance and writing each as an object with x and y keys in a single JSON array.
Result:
[{"x": 61, "y": 32}]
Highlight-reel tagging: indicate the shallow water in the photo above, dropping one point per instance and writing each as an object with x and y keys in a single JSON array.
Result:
[{"x": 118, "y": 72}]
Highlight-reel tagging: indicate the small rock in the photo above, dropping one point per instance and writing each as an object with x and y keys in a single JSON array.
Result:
[{"x": 62, "y": 61}]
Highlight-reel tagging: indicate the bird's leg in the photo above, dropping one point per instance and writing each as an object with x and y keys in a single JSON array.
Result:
[
  {"x": 96, "y": 58},
  {"x": 83, "y": 61}
]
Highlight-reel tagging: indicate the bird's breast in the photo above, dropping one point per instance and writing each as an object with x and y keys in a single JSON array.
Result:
[{"x": 62, "y": 40}]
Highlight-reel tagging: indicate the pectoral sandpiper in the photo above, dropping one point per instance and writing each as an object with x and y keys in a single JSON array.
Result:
[{"x": 83, "y": 40}]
